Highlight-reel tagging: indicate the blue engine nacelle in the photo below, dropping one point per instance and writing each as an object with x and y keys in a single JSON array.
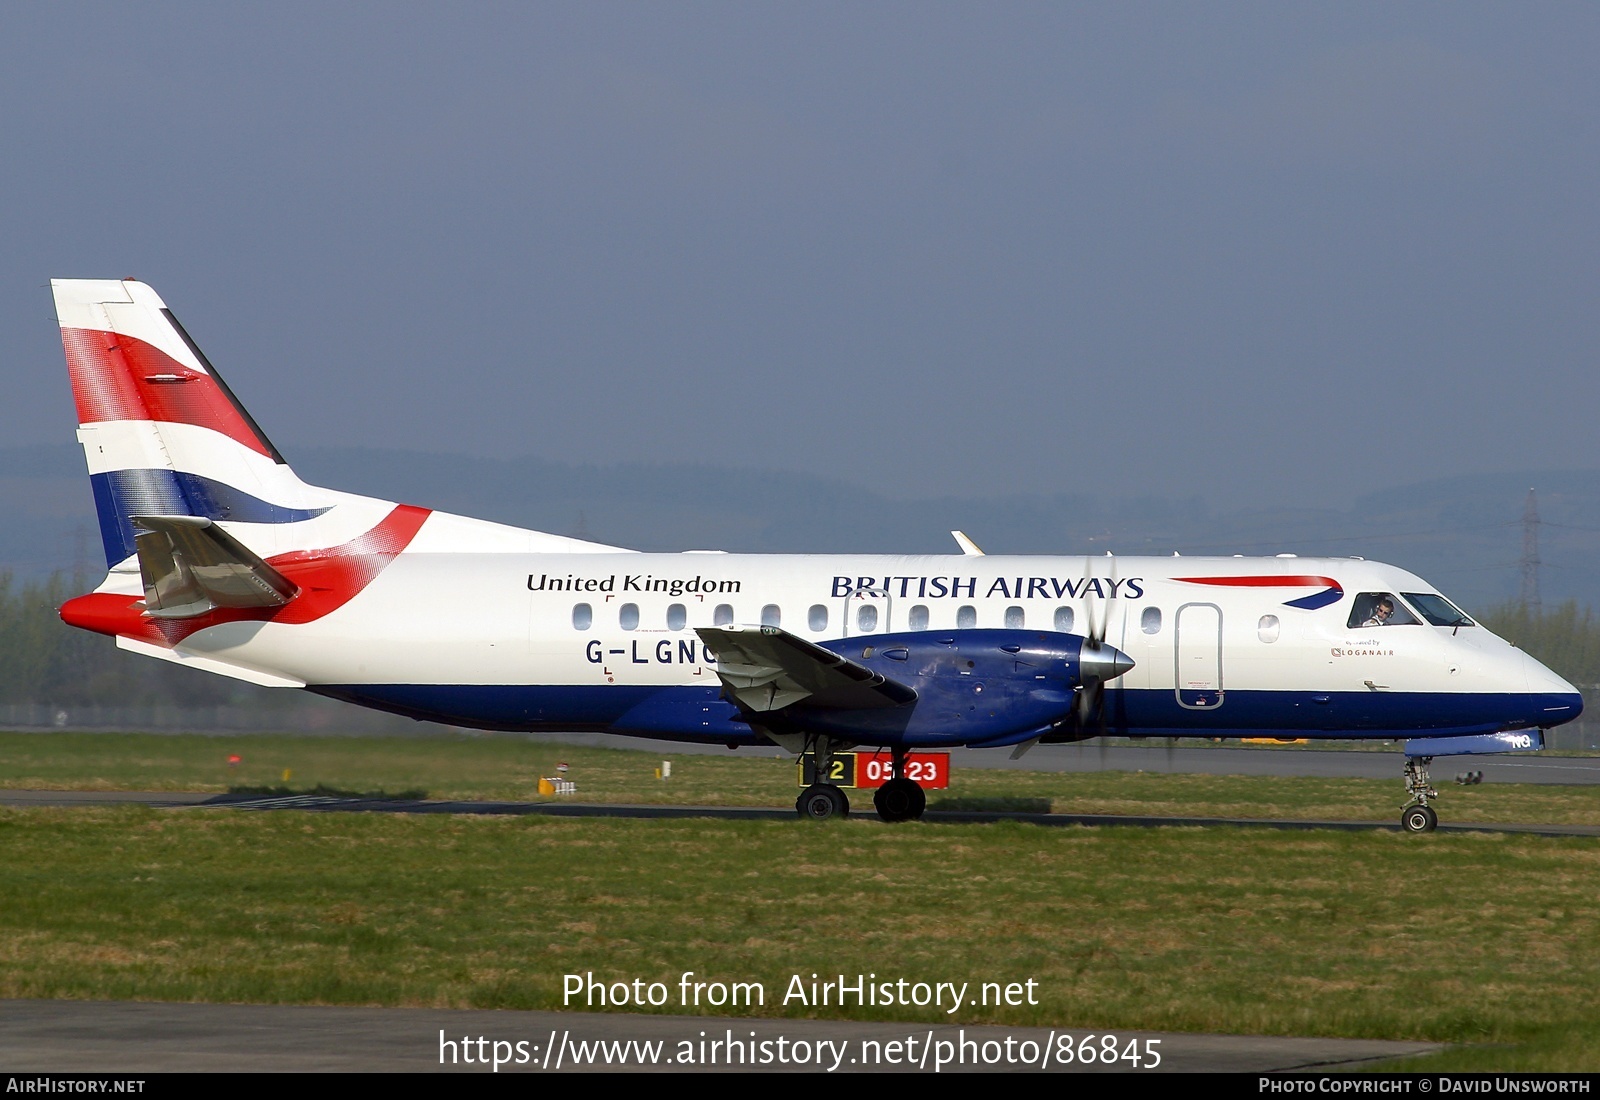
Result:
[{"x": 974, "y": 687}]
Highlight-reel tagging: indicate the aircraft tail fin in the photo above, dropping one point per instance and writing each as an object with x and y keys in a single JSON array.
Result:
[
  {"x": 163, "y": 434},
  {"x": 168, "y": 445}
]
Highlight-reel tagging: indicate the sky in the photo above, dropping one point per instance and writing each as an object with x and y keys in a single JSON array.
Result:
[{"x": 1235, "y": 251}]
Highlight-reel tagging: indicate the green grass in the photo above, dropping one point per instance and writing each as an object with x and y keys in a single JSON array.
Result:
[
  {"x": 508, "y": 768},
  {"x": 1488, "y": 940},
  {"x": 1474, "y": 938}
]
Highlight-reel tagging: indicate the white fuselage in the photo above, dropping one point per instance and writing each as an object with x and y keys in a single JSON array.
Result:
[{"x": 1211, "y": 656}]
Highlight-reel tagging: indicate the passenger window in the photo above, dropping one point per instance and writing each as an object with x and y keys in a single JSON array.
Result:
[
  {"x": 1014, "y": 618},
  {"x": 677, "y": 615},
  {"x": 867, "y": 617},
  {"x": 771, "y": 615},
  {"x": 1375, "y": 609},
  {"x": 582, "y": 616},
  {"x": 918, "y": 620},
  {"x": 1150, "y": 621},
  {"x": 817, "y": 618},
  {"x": 1267, "y": 628},
  {"x": 966, "y": 617},
  {"x": 723, "y": 615},
  {"x": 629, "y": 616},
  {"x": 1064, "y": 619}
]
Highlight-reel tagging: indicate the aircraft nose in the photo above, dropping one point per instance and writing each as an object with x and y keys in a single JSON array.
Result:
[
  {"x": 1558, "y": 701},
  {"x": 1105, "y": 663}
]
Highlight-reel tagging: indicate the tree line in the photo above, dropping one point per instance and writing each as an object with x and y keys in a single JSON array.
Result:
[
  {"x": 43, "y": 660},
  {"x": 1564, "y": 638}
]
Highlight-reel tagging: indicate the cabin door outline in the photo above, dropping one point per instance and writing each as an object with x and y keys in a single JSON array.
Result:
[{"x": 1197, "y": 656}]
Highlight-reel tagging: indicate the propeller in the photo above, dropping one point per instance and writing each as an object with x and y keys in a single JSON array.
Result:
[{"x": 1097, "y": 661}]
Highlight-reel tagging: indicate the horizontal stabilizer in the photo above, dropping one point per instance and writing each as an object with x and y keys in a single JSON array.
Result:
[
  {"x": 191, "y": 566},
  {"x": 766, "y": 669}
]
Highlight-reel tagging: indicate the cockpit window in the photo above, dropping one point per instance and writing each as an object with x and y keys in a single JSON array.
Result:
[
  {"x": 1373, "y": 609},
  {"x": 1436, "y": 609}
]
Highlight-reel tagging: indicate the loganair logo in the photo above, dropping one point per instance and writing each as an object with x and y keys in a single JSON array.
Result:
[{"x": 1330, "y": 591}]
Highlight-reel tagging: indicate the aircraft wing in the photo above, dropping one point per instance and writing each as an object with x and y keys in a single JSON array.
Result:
[
  {"x": 191, "y": 566},
  {"x": 766, "y": 669}
]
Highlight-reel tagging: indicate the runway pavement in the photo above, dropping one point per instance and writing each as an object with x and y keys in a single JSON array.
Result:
[
  {"x": 1290, "y": 760},
  {"x": 336, "y": 804},
  {"x": 138, "y": 1037},
  {"x": 1085, "y": 757},
  {"x": 1181, "y": 757},
  {"x": 1164, "y": 755}
]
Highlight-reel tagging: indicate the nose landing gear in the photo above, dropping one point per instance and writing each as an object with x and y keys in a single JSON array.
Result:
[
  {"x": 1419, "y": 819},
  {"x": 1418, "y": 816}
]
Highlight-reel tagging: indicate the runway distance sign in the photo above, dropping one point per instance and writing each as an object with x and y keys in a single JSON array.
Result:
[{"x": 868, "y": 770}]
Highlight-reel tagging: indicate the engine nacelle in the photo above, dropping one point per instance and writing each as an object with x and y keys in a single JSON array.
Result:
[{"x": 973, "y": 686}]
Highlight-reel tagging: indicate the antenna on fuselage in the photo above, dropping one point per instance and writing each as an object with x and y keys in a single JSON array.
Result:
[{"x": 968, "y": 547}]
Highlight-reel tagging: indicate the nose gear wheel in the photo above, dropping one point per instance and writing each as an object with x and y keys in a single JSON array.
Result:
[
  {"x": 1418, "y": 816},
  {"x": 1419, "y": 819}
]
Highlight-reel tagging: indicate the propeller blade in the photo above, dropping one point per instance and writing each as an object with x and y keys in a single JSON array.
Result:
[
  {"x": 1099, "y": 624},
  {"x": 1097, "y": 661},
  {"x": 1088, "y": 704}
]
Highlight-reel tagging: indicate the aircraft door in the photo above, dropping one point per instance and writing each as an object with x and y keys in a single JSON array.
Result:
[{"x": 1198, "y": 645}]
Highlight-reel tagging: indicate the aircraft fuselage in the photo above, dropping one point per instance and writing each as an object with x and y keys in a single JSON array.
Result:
[{"x": 561, "y": 642}]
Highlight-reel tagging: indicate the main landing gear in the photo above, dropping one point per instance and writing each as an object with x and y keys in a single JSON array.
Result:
[
  {"x": 899, "y": 799},
  {"x": 1418, "y": 816},
  {"x": 822, "y": 799}
]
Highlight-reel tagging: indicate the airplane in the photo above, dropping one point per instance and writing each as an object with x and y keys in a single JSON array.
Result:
[{"x": 220, "y": 558}]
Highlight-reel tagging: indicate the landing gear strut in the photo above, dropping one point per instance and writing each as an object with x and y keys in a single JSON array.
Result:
[
  {"x": 1418, "y": 816},
  {"x": 900, "y": 798},
  {"x": 822, "y": 799}
]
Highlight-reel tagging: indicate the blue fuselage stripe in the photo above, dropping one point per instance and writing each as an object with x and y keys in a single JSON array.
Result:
[{"x": 699, "y": 714}]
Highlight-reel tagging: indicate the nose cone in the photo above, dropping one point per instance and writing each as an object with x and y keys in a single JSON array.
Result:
[
  {"x": 1558, "y": 701},
  {"x": 1106, "y": 663}
]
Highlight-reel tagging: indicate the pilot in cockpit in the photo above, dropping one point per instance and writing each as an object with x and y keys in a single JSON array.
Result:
[{"x": 1380, "y": 612}]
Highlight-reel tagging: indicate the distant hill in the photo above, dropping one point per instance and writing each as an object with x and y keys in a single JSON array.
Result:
[{"x": 1465, "y": 534}]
